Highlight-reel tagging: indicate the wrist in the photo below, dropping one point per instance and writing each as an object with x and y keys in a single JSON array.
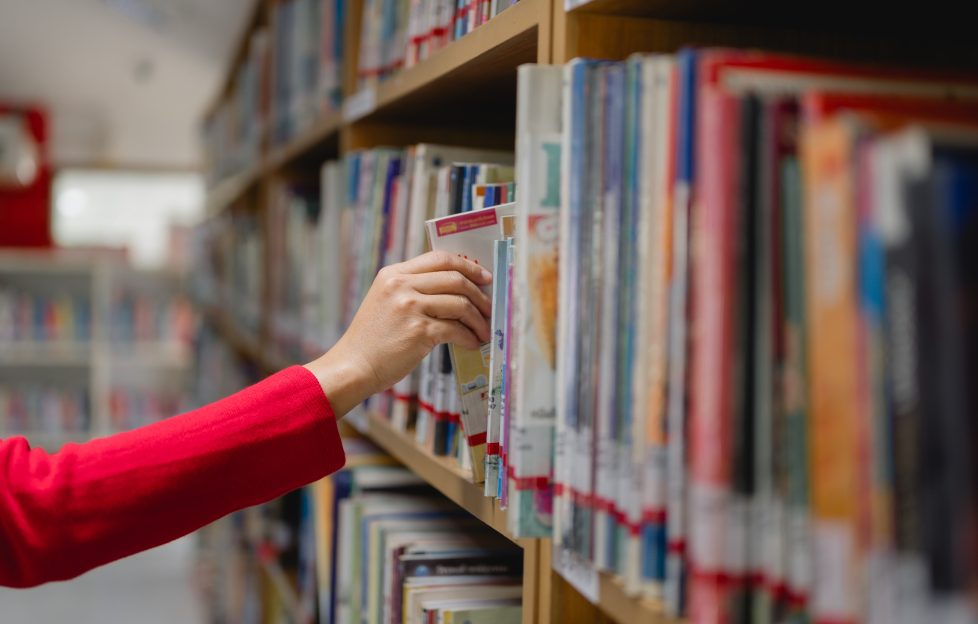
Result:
[{"x": 344, "y": 382}]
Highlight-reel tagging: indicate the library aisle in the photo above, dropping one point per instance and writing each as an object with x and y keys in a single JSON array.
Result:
[
  {"x": 611, "y": 311},
  {"x": 153, "y": 587}
]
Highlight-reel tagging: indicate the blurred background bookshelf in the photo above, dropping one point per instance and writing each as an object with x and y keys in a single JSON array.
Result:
[{"x": 90, "y": 348}]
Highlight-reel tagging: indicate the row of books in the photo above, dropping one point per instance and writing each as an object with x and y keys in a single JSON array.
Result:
[
  {"x": 307, "y": 56},
  {"x": 372, "y": 211},
  {"x": 395, "y": 34},
  {"x": 295, "y": 236},
  {"x": 30, "y": 317},
  {"x": 228, "y": 575},
  {"x": 234, "y": 132},
  {"x": 135, "y": 317},
  {"x": 290, "y": 76},
  {"x": 228, "y": 252},
  {"x": 220, "y": 372},
  {"x": 718, "y": 342},
  {"x": 391, "y": 550},
  {"x": 764, "y": 331},
  {"x": 130, "y": 408},
  {"x": 41, "y": 408}
]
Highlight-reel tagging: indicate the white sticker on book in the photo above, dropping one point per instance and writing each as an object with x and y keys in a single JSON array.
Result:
[
  {"x": 832, "y": 594},
  {"x": 709, "y": 508}
]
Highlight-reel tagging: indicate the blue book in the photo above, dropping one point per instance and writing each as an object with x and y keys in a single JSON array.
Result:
[
  {"x": 611, "y": 292},
  {"x": 393, "y": 170},
  {"x": 412, "y": 514},
  {"x": 675, "y": 589},
  {"x": 470, "y": 179},
  {"x": 576, "y": 177},
  {"x": 944, "y": 214},
  {"x": 342, "y": 488}
]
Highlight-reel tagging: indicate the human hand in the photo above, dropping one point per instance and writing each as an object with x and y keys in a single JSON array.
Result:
[{"x": 410, "y": 307}]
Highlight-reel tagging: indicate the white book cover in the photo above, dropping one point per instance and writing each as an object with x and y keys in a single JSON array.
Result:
[
  {"x": 497, "y": 363},
  {"x": 535, "y": 292},
  {"x": 649, "y": 452},
  {"x": 471, "y": 235}
]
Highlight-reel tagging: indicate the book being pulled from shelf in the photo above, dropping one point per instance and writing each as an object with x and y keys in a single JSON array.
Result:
[
  {"x": 395, "y": 34},
  {"x": 472, "y": 235},
  {"x": 374, "y": 208},
  {"x": 750, "y": 342}
]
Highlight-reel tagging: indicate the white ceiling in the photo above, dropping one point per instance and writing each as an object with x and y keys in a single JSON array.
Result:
[{"x": 126, "y": 81}]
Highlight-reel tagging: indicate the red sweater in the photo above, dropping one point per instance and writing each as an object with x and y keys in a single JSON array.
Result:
[{"x": 88, "y": 504}]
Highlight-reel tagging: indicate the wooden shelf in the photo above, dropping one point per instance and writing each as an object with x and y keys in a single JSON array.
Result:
[
  {"x": 240, "y": 341},
  {"x": 150, "y": 354},
  {"x": 704, "y": 9},
  {"x": 46, "y": 354},
  {"x": 230, "y": 190},
  {"x": 283, "y": 587},
  {"x": 309, "y": 142},
  {"x": 623, "y": 608},
  {"x": 468, "y": 68},
  {"x": 441, "y": 472}
]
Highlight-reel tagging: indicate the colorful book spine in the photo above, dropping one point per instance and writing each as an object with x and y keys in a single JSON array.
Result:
[
  {"x": 535, "y": 294},
  {"x": 830, "y": 233}
]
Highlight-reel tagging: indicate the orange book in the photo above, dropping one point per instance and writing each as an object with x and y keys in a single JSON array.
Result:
[{"x": 832, "y": 312}]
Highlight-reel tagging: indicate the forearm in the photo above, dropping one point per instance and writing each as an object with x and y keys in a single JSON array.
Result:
[{"x": 92, "y": 503}]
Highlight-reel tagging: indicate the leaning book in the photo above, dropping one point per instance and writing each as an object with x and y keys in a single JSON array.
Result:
[{"x": 472, "y": 235}]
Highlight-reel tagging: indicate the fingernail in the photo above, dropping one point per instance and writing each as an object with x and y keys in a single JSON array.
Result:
[{"x": 486, "y": 276}]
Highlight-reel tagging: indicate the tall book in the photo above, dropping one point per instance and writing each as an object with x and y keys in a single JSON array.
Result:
[
  {"x": 471, "y": 235},
  {"x": 534, "y": 359}
]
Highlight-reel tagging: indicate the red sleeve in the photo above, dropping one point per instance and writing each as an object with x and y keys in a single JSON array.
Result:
[{"x": 62, "y": 514}]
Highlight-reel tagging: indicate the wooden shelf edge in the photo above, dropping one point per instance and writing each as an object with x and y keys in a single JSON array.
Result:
[
  {"x": 46, "y": 354},
  {"x": 616, "y": 603},
  {"x": 239, "y": 340},
  {"x": 327, "y": 127},
  {"x": 283, "y": 587},
  {"x": 662, "y": 9},
  {"x": 506, "y": 27},
  {"x": 231, "y": 189},
  {"x": 442, "y": 473}
]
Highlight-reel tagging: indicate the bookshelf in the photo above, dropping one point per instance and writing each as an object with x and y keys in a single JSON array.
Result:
[
  {"x": 70, "y": 345},
  {"x": 474, "y": 78}
]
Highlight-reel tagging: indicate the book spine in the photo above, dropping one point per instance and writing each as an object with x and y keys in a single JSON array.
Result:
[
  {"x": 716, "y": 518},
  {"x": 830, "y": 260},
  {"x": 683, "y": 158}
]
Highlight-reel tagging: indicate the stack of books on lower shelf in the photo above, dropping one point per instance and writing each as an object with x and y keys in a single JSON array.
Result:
[{"x": 392, "y": 550}]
